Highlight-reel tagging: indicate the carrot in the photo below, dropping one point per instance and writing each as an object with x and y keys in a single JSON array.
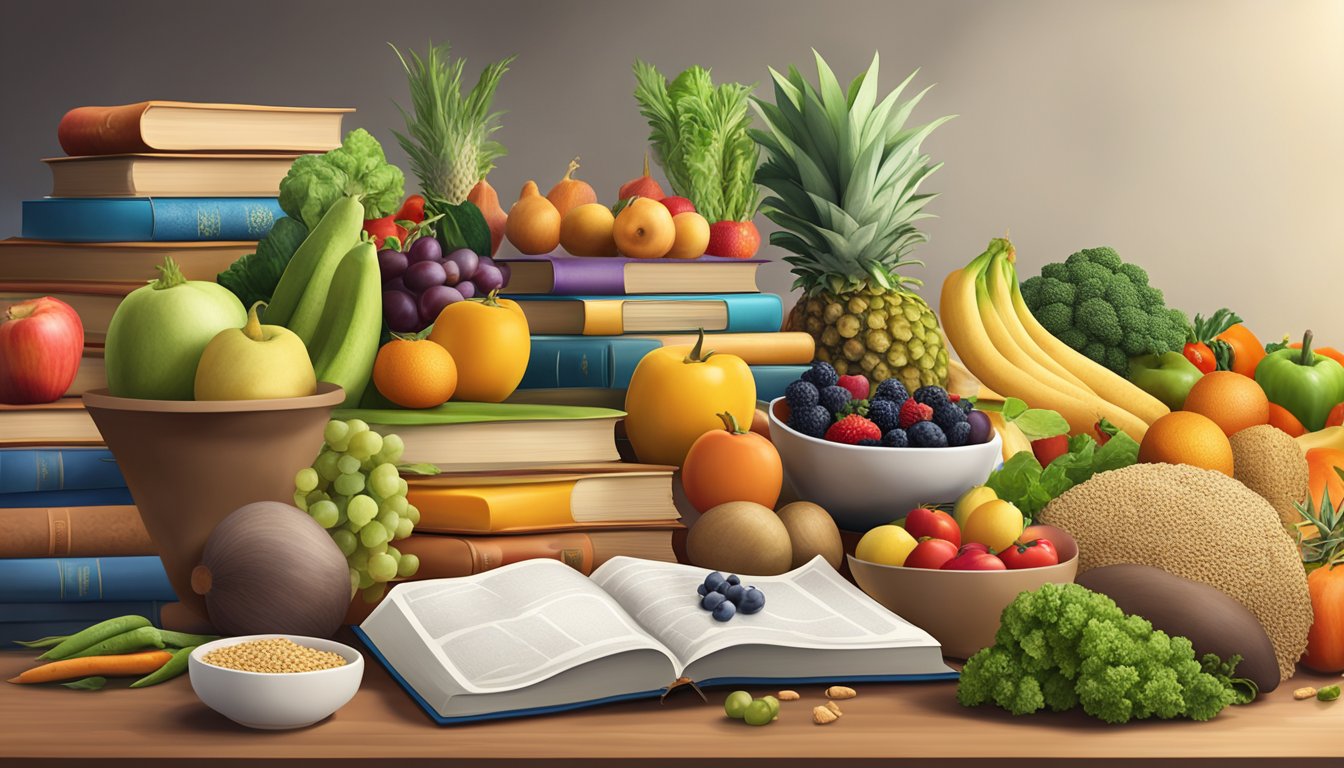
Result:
[{"x": 120, "y": 665}]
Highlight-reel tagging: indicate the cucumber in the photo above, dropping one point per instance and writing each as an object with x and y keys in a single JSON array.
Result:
[
  {"x": 298, "y": 299},
  {"x": 351, "y": 324}
]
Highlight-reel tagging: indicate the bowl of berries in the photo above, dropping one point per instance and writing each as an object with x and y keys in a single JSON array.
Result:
[{"x": 868, "y": 453}]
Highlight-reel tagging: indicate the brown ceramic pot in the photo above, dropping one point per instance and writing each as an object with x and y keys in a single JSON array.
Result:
[{"x": 189, "y": 463}]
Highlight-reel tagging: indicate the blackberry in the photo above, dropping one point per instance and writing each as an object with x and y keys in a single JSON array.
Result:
[
  {"x": 812, "y": 421},
  {"x": 801, "y": 394},
  {"x": 885, "y": 414},
  {"x": 959, "y": 434},
  {"x": 834, "y": 398},
  {"x": 893, "y": 390},
  {"x": 869, "y": 441},
  {"x": 926, "y": 434},
  {"x": 946, "y": 415},
  {"x": 965, "y": 405},
  {"x": 821, "y": 375},
  {"x": 931, "y": 395},
  {"x": 896, "y": 438}
]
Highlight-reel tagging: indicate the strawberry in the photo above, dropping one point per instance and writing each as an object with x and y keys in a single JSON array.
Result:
[
  {"x": 856, "y": 384},
  {"x": 736, "y": 239},
  {"x": 913, "y": 412},
  {"x": 1047, "y": 449},
  {"x": 853, "y": 428}
]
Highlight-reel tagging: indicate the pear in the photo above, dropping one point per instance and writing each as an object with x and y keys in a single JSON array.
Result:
[{"x": 255, "y": 362}]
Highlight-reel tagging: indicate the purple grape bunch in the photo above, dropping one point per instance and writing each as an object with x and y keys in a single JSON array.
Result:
[{"x": 419, "y": 282}]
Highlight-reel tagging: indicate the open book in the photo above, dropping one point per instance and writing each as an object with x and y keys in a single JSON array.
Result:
[{"x": 538, "y": 636}]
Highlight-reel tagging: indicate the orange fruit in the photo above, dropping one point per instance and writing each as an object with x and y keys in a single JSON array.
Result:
[
  {"x": 533, "y": 223},
  {"x": 586, "y": 230},
  {"x": 644, "y": 229},
  {"x": 692, "y": 235},
  {"x": 1284, "y": 419},
  {"x": 1183, "y": 437},
  {"x": 1233, "y": 401},
  {"x": 415, "y": 374}
]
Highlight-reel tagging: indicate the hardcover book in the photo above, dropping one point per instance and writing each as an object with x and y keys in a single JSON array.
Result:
[
  {"x": 64, "y": 422},
  {"x": 538, "y": 636},
  {"x": 31, "y": 621},
  {"x": 95, "y": 303},
  {"x": 84, "y": 579},
  {"x": 606, "y": 316},
  {"x": 22, "y": 259},
  {"x": 24, "y": 470},
  {"x": 129, "y": 219},
  {"x": 84, "y": 531},
  {"x": 562, "y": 274},
  {"x": 180, "y": 126},
  {"x": 168, "y": 175}
]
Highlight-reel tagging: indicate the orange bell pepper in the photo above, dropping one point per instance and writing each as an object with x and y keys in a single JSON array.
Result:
[
  {"x": 1247, "y": 351},
  {"x": 1321, "y": 464}
]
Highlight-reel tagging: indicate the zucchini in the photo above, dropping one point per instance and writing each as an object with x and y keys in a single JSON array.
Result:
[
  {"x": 298, "y": 298},
  {"x": 351, "y": 323}
]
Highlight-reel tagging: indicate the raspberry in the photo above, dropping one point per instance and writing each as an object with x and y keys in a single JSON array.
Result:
[
  {"x": 893, "y": 390},
  {"x": 821, "y": 374},
  {"x": 926, "y": 434},
  {"x": 857, "y": 386},
  {"x": 947, "y": 414},
  {"x": 834, "y": 398},
  {"x": 811, "y": 421},
  {"x": 896, "y": 438},
  {"x": 801, "y": 394},
  {"x": 885, "y": 414},
  {"x": 931, "y": 395},
  {"x": 959, "y": 434},
  {"x": 851, "y": 429},
  {"x": 913, "y": 411}
]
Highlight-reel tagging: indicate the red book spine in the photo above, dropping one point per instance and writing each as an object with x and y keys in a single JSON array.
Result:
[{"x": 102, "y": 130}]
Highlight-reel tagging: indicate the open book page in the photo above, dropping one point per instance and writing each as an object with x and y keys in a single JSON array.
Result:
[
  {"x": 810, "y": 607},
  {"x": 514, "y": 627}
]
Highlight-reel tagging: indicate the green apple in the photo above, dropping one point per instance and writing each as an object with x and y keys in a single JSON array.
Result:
[
  {"x": 255, "y": 362},
  {"x": 1168, "y": 377}
]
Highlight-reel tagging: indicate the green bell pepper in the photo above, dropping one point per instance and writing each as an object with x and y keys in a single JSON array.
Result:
[{"x": 1306, "y": 383}]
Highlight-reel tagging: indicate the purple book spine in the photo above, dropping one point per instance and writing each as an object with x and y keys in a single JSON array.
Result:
[{"x": 588, "y": 277}]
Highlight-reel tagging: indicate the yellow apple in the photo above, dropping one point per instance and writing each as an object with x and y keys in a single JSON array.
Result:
[
  {"x": 970, "y": 500},
  {"x": 885, "y": 545},
  {"x": 255, "y": 362},
  {"x": 996, "y": 524},
  {"x": 692, "y": 236}
]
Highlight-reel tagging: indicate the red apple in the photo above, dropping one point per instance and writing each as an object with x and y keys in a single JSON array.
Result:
[
  {"x": 972, "y": 559},
  {"x": 933, "y": 523},
  {"x": 734, "y": 239},
  {"x": 41, "y": 342},
  {"x": 678, "y": 204},
  {"x": 931, "y": 554}
]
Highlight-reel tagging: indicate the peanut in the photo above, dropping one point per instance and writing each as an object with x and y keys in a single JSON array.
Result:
[
  {"x": 822, "y": 716},
  {"x": 1304, "y": 693},
  {"x": 788, "y": 696},
  {"x": 831, "y": 705},
  {"x": 840, "y": 692}
]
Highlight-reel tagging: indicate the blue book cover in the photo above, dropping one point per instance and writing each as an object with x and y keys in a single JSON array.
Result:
[
  {"x": 610, "y": 315},
  {"x": 84, "y": 579},
  {"x": 13, "y": 631},
  {"x": 772, "y": 379},
  {"x": 57, "y": 469},
  {"x": 605, "y": 362},
  {"x": 145, "y": 219},
  {"x": 95, "y": 497}
]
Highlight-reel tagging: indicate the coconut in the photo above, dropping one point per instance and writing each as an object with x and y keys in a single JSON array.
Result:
[
  {"x": 1269, "y": 462},
  {"x": 1200, "y": 525}
]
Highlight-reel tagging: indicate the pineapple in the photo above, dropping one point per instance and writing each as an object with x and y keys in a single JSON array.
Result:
[
  {"x": 844, "y": 170},
  {"x": 448, "y": 136}
]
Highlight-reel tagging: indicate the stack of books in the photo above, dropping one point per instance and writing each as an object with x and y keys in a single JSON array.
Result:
[
  {"x": 522, "y": 482},
  {"x": 141, "y": 182},
  {"x": 594, "y": 319}
]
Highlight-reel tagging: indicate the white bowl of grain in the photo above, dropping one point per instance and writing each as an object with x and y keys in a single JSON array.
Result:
[{"x": 275, "y": 682}]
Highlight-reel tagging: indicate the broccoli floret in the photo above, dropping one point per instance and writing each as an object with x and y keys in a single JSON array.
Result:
[
  {"x": 1104, "y": 308},
  {"x": 1063, "y": 646}
]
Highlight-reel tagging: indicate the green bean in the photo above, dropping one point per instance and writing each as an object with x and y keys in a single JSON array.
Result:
[
  {"x": 174, "y": 667},
  {"x": 42, "y": 642},
  {"x": 96, "y": 634},
  {"x": 182, "y": 639},
  {"x": 140, "y": 639}
]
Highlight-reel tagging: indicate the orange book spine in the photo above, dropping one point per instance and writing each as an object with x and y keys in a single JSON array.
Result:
[
  {"x": 112, "y": 531},
  {"x": 102, "y": 130}
]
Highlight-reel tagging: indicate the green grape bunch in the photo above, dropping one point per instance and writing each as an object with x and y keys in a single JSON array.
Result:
[{"x": 353, "y": 489}]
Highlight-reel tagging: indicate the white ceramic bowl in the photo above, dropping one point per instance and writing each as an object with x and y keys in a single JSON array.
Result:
[
  {"x": 276, "y": 701},
  {"x": 864, "y": 486}
]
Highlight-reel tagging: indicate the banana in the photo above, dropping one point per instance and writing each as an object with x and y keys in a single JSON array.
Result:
[
  {"x": 997, "y": 276},
  {"x": 966, "y": 331}
]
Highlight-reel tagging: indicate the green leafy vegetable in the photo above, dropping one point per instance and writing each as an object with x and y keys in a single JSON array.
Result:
[
  {"x": 87, "y": 684},
  {"x": 700, "y": 137},
  {"x": 462, "y": 226},
  {"x": 253, "y": 277},
  {"x": 1064, "y": 646},
  {"x": 1035, "y": 423},
  {"x": 1026, "y": 484},
  {"x": 357, "y": 167}
]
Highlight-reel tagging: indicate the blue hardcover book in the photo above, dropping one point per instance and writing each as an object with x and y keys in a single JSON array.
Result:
[
  {"x": 57, "y": 469},
  {"x": 95, "y": 497},
  {"x": 652, "y": 314},
  {"x": 13, "y": 631},
  {"x": 772, "y": 379},
  {"x": 84, "y": 579},
  {"x": 146, "y": 219},
  {"x": 605, "y": 362}
]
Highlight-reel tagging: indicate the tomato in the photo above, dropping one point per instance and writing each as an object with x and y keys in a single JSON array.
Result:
[
  {"x": 675, "y": 396},
  {"x": 1198, "y": 353},
  {"x": 1036, "y": 553},
  {"x": 973, "y": 559},
  {"x": 933, "y": 523},
  {"x": 489, "y": 341},
  {"x": 731, "y": 464},
  {"x": 931, "y": 554},
  {"x": 1047, "y": 449}
]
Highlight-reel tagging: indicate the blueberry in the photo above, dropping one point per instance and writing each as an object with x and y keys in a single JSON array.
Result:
[
  {"x": 732, "y": 579},
  {"x": 926, "y": 434},
  {"x": 713, "y": 580},
  {"x": 947, "y": 414},
  {"x": 723, "y": 587},
  {"x": 893, "y": 390},
  {"x": 753, "y": 600},
  {"x": 801, "y": 394},
  {"x": 868, "y": 441},
  {"x": 960, "y": 434},
  {"x": 835, "y": 398},
  {"x": 724, "y": 611},
  {"x": 896, "y": 438},
  {"x": 734, "y": 593},
  {"x": 702, "y": 590},
  {"x": 885, "y": 414},
  {"x": 822, "y": 374},
  {"x": 965, "y": 405},
  {"x": 712, "y": 600},
  {"x": 812, "y": 422},
  {"x": 930, "y": 395}
]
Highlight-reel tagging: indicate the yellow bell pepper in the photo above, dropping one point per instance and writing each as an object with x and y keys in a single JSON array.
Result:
[{"x": 676, "y": 395}]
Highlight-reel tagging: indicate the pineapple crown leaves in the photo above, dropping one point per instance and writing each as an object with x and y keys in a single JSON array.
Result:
[
  {"x": 1326, "y": 548},
  {"x": 845, "y": 171},
  {"x": 448, "y": 134}
]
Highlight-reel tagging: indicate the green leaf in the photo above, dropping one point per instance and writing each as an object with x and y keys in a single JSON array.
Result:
[
  {"x": 253, "y": 277},
  {"x": 463, "y": 226},
  {"x": 1037, "y": 423},
  {"x": 87, "y": 684},
  {"x": 1013, "y": 407}
]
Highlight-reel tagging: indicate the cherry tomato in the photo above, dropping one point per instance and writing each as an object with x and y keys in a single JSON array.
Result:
[
  {"x": 933, "y": 523},
  {"x": 1036, "y": 553},
  {"x": 972, "y": 558},
  {"x": 931, "y": 554},
  {"x": 1047, "y": 449},
  {"x": 1198, "y": 353}
]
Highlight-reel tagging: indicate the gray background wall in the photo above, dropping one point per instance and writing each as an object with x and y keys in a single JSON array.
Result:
[{"x": 1200, "y": 138}]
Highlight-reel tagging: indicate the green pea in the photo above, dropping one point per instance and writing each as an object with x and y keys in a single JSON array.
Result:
[
  {"x": 774, "y": 706},
  {"x": 1328, "y": 693},
  {"x": 127, "y": 642},
  {"x": 172, "y": 668},
  {"x": 759, "y": 713},
  {"x": 94, "y": 635},
  {"x": 735, "y": 706}
]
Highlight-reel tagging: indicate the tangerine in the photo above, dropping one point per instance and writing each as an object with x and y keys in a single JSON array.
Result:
[
  {"x": 1185, "y": 437},
  {"x": 415, "y": 373},
  {"x": 1234, "y": 402}
]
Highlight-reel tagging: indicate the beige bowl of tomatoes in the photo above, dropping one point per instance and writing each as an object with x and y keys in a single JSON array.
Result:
[{"x": 961, "y": 608}]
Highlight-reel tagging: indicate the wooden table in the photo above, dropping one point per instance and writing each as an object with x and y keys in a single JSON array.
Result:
[{"x": 911, "y": 724}]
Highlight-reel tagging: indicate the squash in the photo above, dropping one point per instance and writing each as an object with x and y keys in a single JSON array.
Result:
[
  {"x": 533, "y": 224},
  {"x": 569, "y": 192},
  {"x": 489, "y": 341}
]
